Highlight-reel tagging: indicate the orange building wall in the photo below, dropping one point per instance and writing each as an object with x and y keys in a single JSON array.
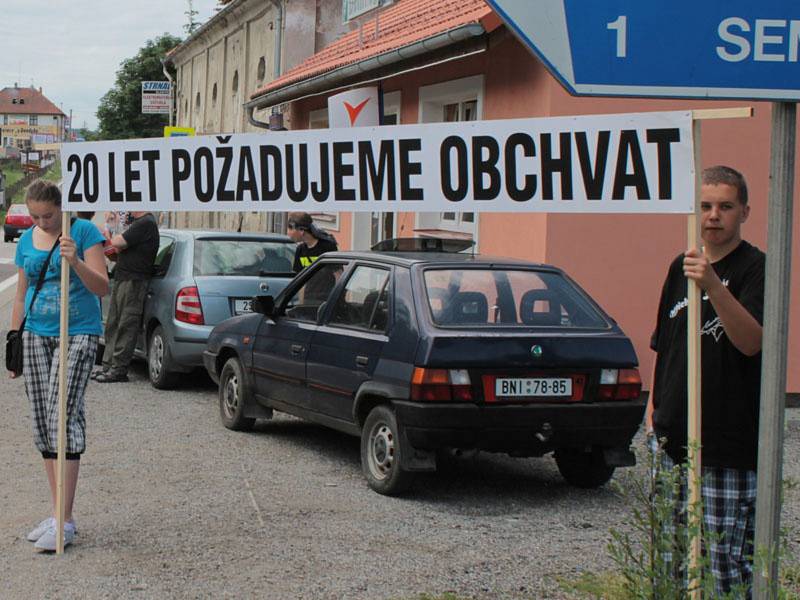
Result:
[{"x": 620, "y": 260}]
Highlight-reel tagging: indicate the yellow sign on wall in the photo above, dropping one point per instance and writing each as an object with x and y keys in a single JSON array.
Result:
[
  {"x": 24, "y": 132},
  {"x": 178, "y": 131}
]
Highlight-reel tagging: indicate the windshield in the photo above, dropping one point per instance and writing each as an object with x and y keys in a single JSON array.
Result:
[
  {"x": 507, "y": 298},
  {"x": 242, "y": 257}
]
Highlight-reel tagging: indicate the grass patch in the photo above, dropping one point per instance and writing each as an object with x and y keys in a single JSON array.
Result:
[
  {"x": 605, "y": 586},
  {"x": 444, "y": 596}
]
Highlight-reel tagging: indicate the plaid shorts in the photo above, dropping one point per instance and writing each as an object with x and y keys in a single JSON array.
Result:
[
  {"x": 40, "y": 365},
  {"x": 729, "y": 510}
]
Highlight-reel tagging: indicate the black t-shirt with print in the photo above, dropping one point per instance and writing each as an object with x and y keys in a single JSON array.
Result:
[
  {"x": 730, "y": 380},
  {"x": 135, "y": 262},
  {"x": 304, "y": 256}
]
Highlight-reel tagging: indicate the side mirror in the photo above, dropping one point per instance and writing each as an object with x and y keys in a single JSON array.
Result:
[{"x": 264, "y": 305}]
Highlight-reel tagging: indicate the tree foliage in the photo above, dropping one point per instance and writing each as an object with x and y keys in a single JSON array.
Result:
[{"x": 120, "y": 111}]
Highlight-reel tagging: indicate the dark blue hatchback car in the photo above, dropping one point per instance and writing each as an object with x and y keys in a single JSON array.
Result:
[{"x": 420, "y": 352}]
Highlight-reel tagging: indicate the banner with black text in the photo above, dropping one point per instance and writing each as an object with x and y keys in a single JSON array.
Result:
[{"x": 629, "y": 163}]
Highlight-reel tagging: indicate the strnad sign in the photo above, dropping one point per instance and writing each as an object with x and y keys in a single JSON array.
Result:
[
  {"x": 156, "y": 97},
  {"x": 633, "y": 163},
  {"x": 664, "y": 48}
]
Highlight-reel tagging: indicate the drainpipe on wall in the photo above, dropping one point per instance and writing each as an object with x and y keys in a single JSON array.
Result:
[
  {"x": 276, "y": 70},
  {"x": 171, "y": 93}
]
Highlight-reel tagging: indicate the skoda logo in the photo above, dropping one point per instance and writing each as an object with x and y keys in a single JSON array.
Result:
[{"x": 536, "y": 351}]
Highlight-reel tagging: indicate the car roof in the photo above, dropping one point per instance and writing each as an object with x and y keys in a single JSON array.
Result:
[
  {"x": 439, "y": 259},
  {"x": 207, "y": 234}
]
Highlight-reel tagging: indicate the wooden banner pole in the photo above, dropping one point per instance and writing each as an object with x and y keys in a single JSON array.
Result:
[
  {"x": 694, "y": 354},
  {"x": 62, "y": 394},
  {"x": 694, "y": 380}
]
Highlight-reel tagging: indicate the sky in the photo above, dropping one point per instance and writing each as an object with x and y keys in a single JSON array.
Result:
[{"x": 73, "y": 48}]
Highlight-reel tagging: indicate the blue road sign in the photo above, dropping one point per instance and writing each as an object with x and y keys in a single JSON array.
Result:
[{"x": 664, "y": 48}]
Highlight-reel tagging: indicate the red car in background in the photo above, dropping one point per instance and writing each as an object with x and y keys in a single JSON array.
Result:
[{"x": 18, "y": 219}]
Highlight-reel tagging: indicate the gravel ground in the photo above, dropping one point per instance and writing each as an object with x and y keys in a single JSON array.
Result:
[{"x": 172, "y": 505}]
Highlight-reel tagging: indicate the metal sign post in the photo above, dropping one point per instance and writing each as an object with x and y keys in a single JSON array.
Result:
[{"x": 774, "y": 347}]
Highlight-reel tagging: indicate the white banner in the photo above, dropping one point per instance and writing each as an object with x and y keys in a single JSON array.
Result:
[{"x": 632, "y": 163}]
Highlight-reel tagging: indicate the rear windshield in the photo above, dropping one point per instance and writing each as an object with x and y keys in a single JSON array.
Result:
[
  {"x": 18, "y": 209},
  {"x": 507, "y": 298},
  {"x": 242, "y": 257}
]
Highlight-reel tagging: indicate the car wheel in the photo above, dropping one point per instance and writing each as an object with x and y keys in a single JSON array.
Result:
[
  {"x": 159, "y": 361},
  {"x": 583, "y": 469},
  {"x": 382, "y": 453},
  {"x": 233, "y": 395},
  {"x": 8, "y": 238}
]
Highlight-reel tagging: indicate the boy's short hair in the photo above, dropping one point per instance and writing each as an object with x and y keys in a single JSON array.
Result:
[
  {"x": 722, "y": 175},
  {"x": 43, "y": 191}
]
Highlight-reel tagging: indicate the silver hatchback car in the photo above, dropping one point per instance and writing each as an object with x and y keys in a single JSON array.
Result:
[{"x": 200, "y": 279}]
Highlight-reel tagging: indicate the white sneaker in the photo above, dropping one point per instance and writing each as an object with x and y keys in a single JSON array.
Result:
[
  {"x": 42, "y": 527},
  {"x": 47, "y": 543}
]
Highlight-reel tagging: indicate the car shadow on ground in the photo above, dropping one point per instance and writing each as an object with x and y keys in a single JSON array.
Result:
[{"x": 480, "y": 484}]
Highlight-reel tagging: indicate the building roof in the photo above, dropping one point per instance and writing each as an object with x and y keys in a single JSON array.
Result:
[
  {"x": 26, "y": 101},
  {"x": 403, "y": 23}
]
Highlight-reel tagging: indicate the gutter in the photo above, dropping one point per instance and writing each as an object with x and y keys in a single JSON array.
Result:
[
  {"x": 323, "y": 83},
  {"x": 171, "y": 92},
  {"x": 276, "y": 69}
]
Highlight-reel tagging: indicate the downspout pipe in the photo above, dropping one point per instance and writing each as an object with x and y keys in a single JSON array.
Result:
[
  {"x": 276, "y": 69},
  {"x": 171, "y": 93}
]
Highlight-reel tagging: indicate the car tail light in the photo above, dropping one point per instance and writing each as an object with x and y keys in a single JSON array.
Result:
[
  {"x": 187, "y": 306},
  {"x": 441, "y": 385},
  {"x": 620, "y": 384}
]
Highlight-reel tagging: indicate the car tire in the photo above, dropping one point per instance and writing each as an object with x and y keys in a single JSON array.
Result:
[
  {"x": 583, "y": 469},
  {"x": 8, "y": 238},
  {"x": 159, "y": 361},
  {"x": 233, "y": 395},
  {"x": 382, "y": 453}
]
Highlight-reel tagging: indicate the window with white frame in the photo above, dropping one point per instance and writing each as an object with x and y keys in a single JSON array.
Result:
[
  {"x": 456, "y": 100},
  {"x": 355, "y": 8},
  {"x": 34, "y": 119}
]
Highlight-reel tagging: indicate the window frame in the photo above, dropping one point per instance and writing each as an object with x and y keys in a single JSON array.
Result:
[
  {"x": 339, "y": 294},
  {"x": 302, "y": 279}
]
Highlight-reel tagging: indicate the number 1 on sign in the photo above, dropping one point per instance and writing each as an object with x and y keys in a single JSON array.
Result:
[{"x": 620, "y": 26}]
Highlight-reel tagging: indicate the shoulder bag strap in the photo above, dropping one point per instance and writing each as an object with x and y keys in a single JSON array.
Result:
[{"x": 39, "y": 282}]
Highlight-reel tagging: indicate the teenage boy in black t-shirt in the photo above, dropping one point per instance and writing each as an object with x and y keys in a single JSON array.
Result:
[
  {"x": 730, "y": 273},
  {"x": 312, "y": 242}
]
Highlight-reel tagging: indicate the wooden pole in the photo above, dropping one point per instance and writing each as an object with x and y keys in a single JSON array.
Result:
[
  {"x": 694, "y": 378},
  {"x": 694, "y": 351},
  {"x": 62, "y": 394}
]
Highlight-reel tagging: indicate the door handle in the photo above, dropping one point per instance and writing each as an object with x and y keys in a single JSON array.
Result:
[
  {"x": 296, "y": 349},
  {"x": 362, "y": 361}
]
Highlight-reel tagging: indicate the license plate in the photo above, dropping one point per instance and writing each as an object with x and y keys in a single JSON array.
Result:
[
  {"x": 242, "y": 306},
  {"x": 520, "y": 387}
]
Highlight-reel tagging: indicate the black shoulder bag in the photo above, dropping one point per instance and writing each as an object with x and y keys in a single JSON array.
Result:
[{"x": 14, "y": 337}]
